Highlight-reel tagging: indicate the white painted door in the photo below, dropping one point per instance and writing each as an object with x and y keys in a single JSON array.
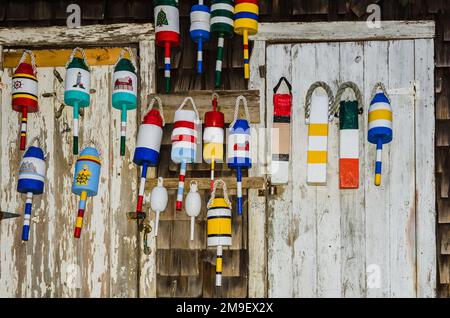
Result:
[{"x": 374, "y": 241}]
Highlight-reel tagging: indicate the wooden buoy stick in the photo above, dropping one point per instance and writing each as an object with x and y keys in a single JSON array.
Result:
[
  {"x": 27, "y": 217},
  {"x": 239, "y": 189},
  {"x": 180, "y": 192},
  {"x": 80, "y": 216},
  {"x": 219, "y": 266},
  {"x": 200, "y": 56},
  {"x": 212, "y": 174},
  {"x": 219, "y": 60},
  {"x": 75, "y": 128},
  {"x": 246, "y": 56},
  {"x": 378, "y": 162},
  {"x": 192, "y": 227},
  {"x": 157, "y": 222},
  {"x": 123, "y": 130},
  {"x": 23, "y": 128},
  {"x": 141, "y": 190},
  {"x": 167, "y": 65}
]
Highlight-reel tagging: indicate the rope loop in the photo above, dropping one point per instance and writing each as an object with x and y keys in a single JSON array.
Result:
[
  {"x": 130, "y": 54},
  {"x": 32, "y": 59},
  {"x": 91, "y": 142},
  {"x": 309, "y": 94},
  {"x": 160, "y": 106},
  {"x": 236, "y": 109},
  {"x": 219, "y": 182},
  {"x": 160, "y": 182},
  {"x": 37, "y": 141},
  {"x": 190, "y": 99},
  {"x": 380, "y": 86},
  {"x": 74, "y": 53},
  {"x": 340, "y": 92}
]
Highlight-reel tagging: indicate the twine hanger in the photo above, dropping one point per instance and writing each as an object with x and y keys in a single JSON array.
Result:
[
  {"x": 341, "y": 91},
  {"x": 380, "y": 86},
  {"x": 236, "y": 109},
  {"x": 308, "y": 99},
  {"x": 130, "y": 54},
  {"x": 160, "y": 106},
  {"x": 83, "y": 55},
  {"x": 224, "y": 190},
  {"x": 192, "y": 103},
  {"x": 32, "y": 59}
]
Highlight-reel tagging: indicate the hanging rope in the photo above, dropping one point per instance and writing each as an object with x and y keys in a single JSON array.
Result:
[
  {"x": 236, "y": 109},
  {"x": 380, "y": 86},
  {"x": 224, "y": 190},
  {"x": 36, "y": 141},
  {"x": 130, "y": 54},
  {"x": 192, "y": 103},
  {"x": 73, "y": 54},
  {"x": 309, "y": 94},
  {"x": 160, "y": 106},
  {"x": 92, "y": 142},
  {"x": 32, "y": 59},
  {"x": 341, "y": 91}
]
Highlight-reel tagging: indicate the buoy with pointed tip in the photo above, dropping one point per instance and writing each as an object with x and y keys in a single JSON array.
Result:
[
  {"x": 85, "y": 182},
  {"x": 124, "y": 94},
  {"x": 77, "y": 88},
  {"x": 380, "y": 125},
  {"x": 31, "y": 182},
  {"x": 200, "y": 30},
  {"x": 158, "y": 201},
  {"x": 25, "y": 92},
  {"x": 184, "y": 142},
  {"x": 193, "y": 205},
  {"x": 148, "y": 146}
]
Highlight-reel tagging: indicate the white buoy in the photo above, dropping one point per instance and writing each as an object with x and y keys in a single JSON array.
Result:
[
  {"x": 193, "y": 205},
  {"x": 158, "y": 201}
]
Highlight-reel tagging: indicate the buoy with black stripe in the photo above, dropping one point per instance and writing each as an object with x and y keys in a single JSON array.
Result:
[
  {"x": 31, "y": 182},
  {"x": 25, "y": 92},
  {"x": 167, "y": 31},
  {"x": 85, "y": 182},
  {"x": 246, "y": 23},
  {"x": 380, "y": 125},
  {"x": 124, "y": 94},
  {"x": 148, "y": 146},
  {"x": 219, "y": 225},
  {"x": 200, "y": 30},
  {"x": 77, "y": 88},
  {"x": 239, "y": 156},
  {"x": 222, "y": 26},
  {"x": 186, "y": 125}
]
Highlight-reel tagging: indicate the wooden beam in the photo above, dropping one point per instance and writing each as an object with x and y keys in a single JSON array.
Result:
[
  {"x": 56, "y": 58},
  {"x": 90, "y": 35},
  {"x": 344, "y": 31},
  {"x": 204, "y": 183}
]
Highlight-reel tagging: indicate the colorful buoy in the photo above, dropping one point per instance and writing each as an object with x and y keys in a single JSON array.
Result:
[
  {"x": 148, "y": 146},
  {"x": 200, "y": 30},
  {"x": 31, "y": 182},
  {"x": 193, "y": 205},
  {"x": 245, "y": 24},
  {"x": 167, "y": 30},
  {"x": 184, "y": 142},
  {"x": 158, "y": 201},
  {"x": 239, "y": 156},
  {"x": 124, "y": 95},
  {"x": 85, "y": 182},
  {"x": 213, "y": 137},
  {"x": 219, "y": 225},
  {"x": 77, "y": 90},
  {"x": 222, "y": 26},
  {"x": 25, "y": 92},
  {"x": 380, "y": 125}
]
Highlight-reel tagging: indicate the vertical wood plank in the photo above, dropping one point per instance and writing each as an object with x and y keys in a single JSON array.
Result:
[
  {"x": 280, "y": 247},
  {"x": 304, "y": 196},
  {"x": 328, "y": 204},
  {"x": 257, "y": 247},
  {"x": 352, "y": 201},
  {"x": 402, "y": 220},
  {"x": 425, "y": 179}
]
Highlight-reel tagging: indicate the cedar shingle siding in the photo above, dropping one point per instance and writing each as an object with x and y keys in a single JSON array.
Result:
[{"x": 47, "y": 12}]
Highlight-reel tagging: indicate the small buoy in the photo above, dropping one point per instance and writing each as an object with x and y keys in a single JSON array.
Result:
[
  {"x": 77, "y": 90},
  {"x": 213, "y": 137},
  {"x": 193, "y": 205},
  {"x": 148, "y": 146},
  {"x": 158, "y": 201},
  {"x": 85, "y": 182},
  {"x": 31, "y": 182},
  {"x": 167, "y": 31},
  {"x": 380, "y": 125},
  {"x": 245, "y": 24},
  {"x": 184, "y": 142},
  {"x": 222, "y": 26},
  {"x": 200, "y": 30},
  {"x": 239, "y": 147},
  {"x": 124, "y": 91},
  {"x": 219, "y": 225},
  {"x": 25, "y": 92}
]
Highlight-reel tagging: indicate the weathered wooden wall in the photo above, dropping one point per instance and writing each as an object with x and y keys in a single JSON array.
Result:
[{"x": 327, "y": 242}]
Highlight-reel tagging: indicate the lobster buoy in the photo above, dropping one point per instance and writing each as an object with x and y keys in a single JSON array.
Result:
[
  {"x": 85, "y": 182},
  {"x": 245, "y": 24},
  {"x": 25, "y": 92},
  {"x": 124, "y": 95},
  {"x": 222, "y": 26},
  {"x": 219, "y": 225},
  {"x": 158, "y": 201},
  {"x": 148, "y": 146},
  {"x": 380, "y": 125},
  {"x": 193, "y": 205},
  {"x": 77, "y": 88},
  {"x": 213, "y": 137},
  {"x": 200, "y": 30},
  {"x": 31, "y": 182},
  {"x": 184, "y": 142},
  {"x": 167, "y": 29},
  {"x": 239, "y": 147}
]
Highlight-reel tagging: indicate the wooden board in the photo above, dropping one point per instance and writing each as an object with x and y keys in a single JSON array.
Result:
[{"x": 204, "y": 183}]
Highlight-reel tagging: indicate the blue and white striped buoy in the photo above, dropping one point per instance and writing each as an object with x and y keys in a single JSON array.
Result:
[
  {"x": 31, "y": 182},
  {"x": 200, "y": 30}
]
